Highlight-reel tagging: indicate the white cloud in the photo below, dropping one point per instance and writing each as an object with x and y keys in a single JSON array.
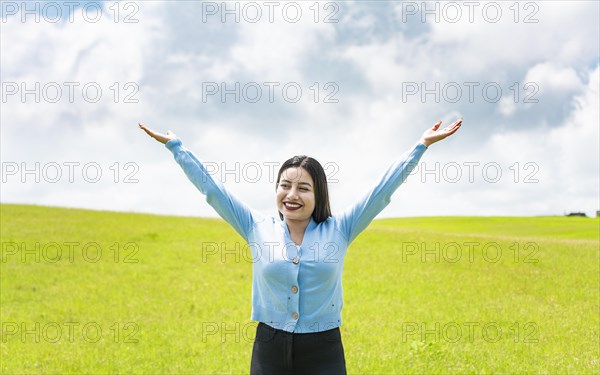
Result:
[
  {"x": 521, "y": 34},
  {"x": 554, "y": 78}
]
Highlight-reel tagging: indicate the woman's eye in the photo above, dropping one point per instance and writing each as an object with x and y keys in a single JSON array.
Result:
[{"x": 303, "y": 189}]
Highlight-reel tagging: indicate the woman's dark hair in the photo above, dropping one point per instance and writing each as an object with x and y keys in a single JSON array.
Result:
[{"x": 315, "y": 170}]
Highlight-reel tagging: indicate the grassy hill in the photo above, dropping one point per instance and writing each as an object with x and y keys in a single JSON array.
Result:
[{"x": 103, "y": 292}]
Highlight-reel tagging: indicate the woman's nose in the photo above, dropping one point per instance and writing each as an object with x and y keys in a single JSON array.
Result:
[{"x": 293, "y": 193}]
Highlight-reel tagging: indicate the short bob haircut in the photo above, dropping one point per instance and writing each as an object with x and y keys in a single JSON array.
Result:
[{"x": 315, "y": 170}]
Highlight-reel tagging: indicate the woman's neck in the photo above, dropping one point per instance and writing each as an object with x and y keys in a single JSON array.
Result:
[{"x": 297, "y": 229}]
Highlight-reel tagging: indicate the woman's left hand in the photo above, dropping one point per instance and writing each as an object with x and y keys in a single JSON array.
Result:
[{"x": 432, "y": 135}]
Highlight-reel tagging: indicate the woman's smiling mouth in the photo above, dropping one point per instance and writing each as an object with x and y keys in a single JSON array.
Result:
[{"x": 291, "y": 206}]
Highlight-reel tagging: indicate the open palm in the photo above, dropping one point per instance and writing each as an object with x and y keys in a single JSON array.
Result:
[{"x": 433, "y": 135}]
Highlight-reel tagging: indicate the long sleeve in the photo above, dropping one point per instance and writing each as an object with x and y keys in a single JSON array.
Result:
[
  {"x": 357, "y": 217},
  {"x": 231, "y": 209}
]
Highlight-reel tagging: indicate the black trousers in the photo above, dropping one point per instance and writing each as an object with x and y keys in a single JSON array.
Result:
[{"x": 278, "y": 352}]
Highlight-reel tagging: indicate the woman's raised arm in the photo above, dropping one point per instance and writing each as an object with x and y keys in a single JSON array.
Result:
[
  {"x": 234, "y": 211},
  {"x": 357, "y": 217}
]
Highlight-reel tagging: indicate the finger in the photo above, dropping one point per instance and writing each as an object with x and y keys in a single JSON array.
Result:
[
  {"x": 454, "y": 129},
  {"x": 455, "y": 124},
  {"x": 450, "y": 130},
  {"x": 436, "y": 126}
]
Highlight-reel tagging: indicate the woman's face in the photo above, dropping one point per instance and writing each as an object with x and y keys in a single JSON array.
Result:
[{"x": 296, "y": 194}]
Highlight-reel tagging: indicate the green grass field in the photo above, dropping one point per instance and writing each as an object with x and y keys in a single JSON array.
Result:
[{"x": 148, "y": 294}]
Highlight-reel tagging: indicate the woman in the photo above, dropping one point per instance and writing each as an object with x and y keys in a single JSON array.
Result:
[{"x": 298, "y": 258}]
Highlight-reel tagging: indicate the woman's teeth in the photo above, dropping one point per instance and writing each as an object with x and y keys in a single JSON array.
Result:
[{"x": 292, "y": 206}]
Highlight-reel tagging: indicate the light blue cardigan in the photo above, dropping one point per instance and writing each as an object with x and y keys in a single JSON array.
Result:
[{"x": 297, "y": 288}]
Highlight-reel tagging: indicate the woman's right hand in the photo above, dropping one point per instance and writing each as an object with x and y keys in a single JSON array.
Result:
[{"x": 162, "y": 138}]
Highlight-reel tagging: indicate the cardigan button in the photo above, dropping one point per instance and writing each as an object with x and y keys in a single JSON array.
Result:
[
  {"x": 296, "y": 260},
  {"x": 295, "y": 315},
  {"x": 294, "y": 289}
]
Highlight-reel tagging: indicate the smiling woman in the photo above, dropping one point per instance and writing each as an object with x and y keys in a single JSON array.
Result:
[
  {"x": 301, "y": 194},
  {"x": 299, "y": 257}
]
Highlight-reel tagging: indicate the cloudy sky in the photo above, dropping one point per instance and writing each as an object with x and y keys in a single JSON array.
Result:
[{"x": 247, "y": 85}]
